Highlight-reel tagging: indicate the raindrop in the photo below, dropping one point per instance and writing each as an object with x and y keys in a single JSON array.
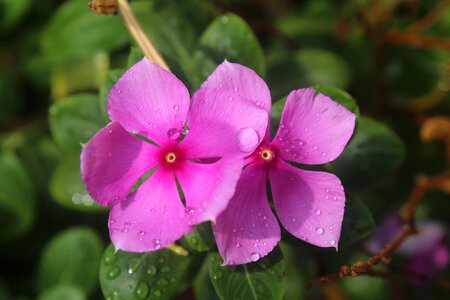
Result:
[
  {"x": 332, "y": 242},
  {"x": 230, "y": 98},
  {"x": 157, "y": 293},
  {"x": 318, "y": 212},
  {"x": 152, "y": 210},
  {"x": 217, "y": 275},
  {"x": 162, "y": 282},
  {"x": 324, "y": 153},
  {"x": 173, "y": 134},
  {"x": 237, "y": 245},
  {"x": 109, "y": 258},
  {"x": 334, "y": 198},
  {"x": 165, "y": 269},
  {"x": 254, "y": 256},
  {"x": 235, "y": 89},
  {"x": 247, "y": 139},
  {"x": 300, "y": 142},
  {"x": 141, "y": 290},
  {"x": 176, "y": 107},
  {"x": 152, "y": 270},
  {"x": 113, "y": 273},
  {"x": 319, "y": 230},
  {"x": 327, "y": 190},
  {"x": 315, "y": 147},
  {"x": 189, "y": 210}
]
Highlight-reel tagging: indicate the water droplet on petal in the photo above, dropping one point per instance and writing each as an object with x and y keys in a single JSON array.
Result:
[
  {"x": 176, "y": 107},
  {"x": 254, "y": 256},
  {"x": 113, "y": 273},
  {"x": 236, "y": 89},
  {"x": 332, "y": 242},
  {"x": 327, "y": 190},
  {"x": 334, "y": 198},
  {"x": 230, "y": 98},
  {"x": 141, "y": 290},
  {"x": 318, "y": 212},
  {"x": 173, "y": 134},
  {"x": 315, "y": 147},
  {"x": 189, "y": 210},
  {"x": 319, "y": 230},
  {"x": 300, "y": 142},
  {"x": 324, "y": 153},
  {"x": 247, "y": 139}
]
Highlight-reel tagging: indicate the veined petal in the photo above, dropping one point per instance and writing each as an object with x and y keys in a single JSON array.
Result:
[
  {"x": 313, "y": 130},
  {"x": 221, "y": 123},
  {"x": 247, "y": 230},
  {"x": 309, "y": 204},
  {"x": 240, "y": 80},
  {"x": 208, "y": 187},
  {"x": 151, "y": 218},
  {"x": 149, "y": 101},
  {"x": 112, "y": 162}
]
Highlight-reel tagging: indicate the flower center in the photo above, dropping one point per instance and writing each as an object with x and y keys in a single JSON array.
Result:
[
  {"x": 171, "y": 157},
  {"x": 267, "y": 155}
]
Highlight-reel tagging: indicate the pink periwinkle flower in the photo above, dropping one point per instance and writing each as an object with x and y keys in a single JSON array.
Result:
[
  {"x": 155, "y": 127},
  {"x": 310, "y": 204}
]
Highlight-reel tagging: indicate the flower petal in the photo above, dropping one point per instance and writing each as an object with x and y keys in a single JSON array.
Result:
[
  {"x": 208, "y": 187},
  {"x": 151, "y": 218},
  {"x": 310, "y": 204},
  {"x": 247, "y": 230},
  {"x": 313, "y": 130},
  {"x": 112, "y": 162},
  {"x": 149, "y": 101},
  {"x": 240, "y": 80},
  {"x": 222, "y": 123}
]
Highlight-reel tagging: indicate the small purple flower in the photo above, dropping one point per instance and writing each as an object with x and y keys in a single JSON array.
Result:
[
  {"x": 200, "y": 145},
  {"x": 310, "y": 205}
]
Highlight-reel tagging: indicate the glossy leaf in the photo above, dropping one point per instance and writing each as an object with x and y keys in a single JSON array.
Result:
[
  {"x": 72, "y": 257},
  {"x": 227, "y": 37},
  {"x": 12, "y": 12},
  {"x": 17, "y": 197},
  {"x": 66, "y": 292},
  {"x": 74, "y": 120},
  {"x": 67, "y": 187},
  {"x": 203, "y": 288},
  {"x": 374, "y": 152},
  {"x": 358, "y": 222},
  {"x": 151, "y": 275},
  {"x": 105, "y": 87},
  {"x": 263, "y": 279},
  {"x": 200, "y": 239}
]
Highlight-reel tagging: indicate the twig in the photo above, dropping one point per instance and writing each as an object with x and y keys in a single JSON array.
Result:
[
  {"x": 412, "y": 39},
  {"x": 426, "y": 22}
]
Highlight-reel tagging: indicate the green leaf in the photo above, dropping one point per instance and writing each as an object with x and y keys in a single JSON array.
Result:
[
  {"x": 152, "y": 275},
  {"x": 10, "y": 98},
  {"x": 74, "y": 120},
  {"x": 107, "y": 83},
  {"x": 358, "y": 222},
  {"x": 374, "y": 152},
  {"x": 203, "y": 288},
  {"x": 67, "y": 187},
  {"x": 227, "y": 37},
  {"x": 74, "y": 30},
  {"x": 200, "y": 239},
  {"x": 340, "y": 96},
  {"x": 66, "y": 292},
  {"x": 17, "y": 197},
  {"x": 135, "y": 56},
  {"x": 72, "y": 257},
  {"x": 12, "y": 11},
  {"x": 263, "y": 279}
]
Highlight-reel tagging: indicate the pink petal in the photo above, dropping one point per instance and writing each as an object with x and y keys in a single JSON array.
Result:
[
  {"x": 247, "y": 230},
  {"x": 112, "y": 162},
  {"x": 151, "y": 218},
  {"x": 313, "y": 130},
  {"x": 240, "y": 80},
  {"x": 149, "y": 101},
  {"x": 222, "y": 123},
  {"x": 208, "y": 187},
  {"x": 310, "y": 204}
]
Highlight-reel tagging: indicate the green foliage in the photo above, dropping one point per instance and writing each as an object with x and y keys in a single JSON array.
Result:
[
  {"x": 152, "y": 275},
  {"x": 373, "y": 153},
  {"x": 74, "y": 120},
  {"x": 71, "y": 258},
  {"x": 201, "y": 238},
  {"x": 17, "y": 197},
  {"x": 11, "y": 12},
  {"x": 66, "y": 292},
  {"x": 264, "y": 279}
]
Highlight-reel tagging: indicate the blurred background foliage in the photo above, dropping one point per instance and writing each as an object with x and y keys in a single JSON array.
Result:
[{"x": 58, "y": 61}]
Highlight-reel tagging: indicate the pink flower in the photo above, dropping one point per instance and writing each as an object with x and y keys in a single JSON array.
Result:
[
  {"x": 152, "y": 103},
  {"x": 310, "y": 204}
]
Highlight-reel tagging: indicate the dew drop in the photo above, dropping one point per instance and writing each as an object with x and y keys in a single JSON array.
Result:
[
  {"x": 327, "y": 190},
  {"x": 217, "y": 275},
  {"x": 235, "y": 89},
  {"x": 318, "y": 212},
  {"x": 113, "y": 273},
  {"x": 332, "y": 242},
  {"x": 109, "y": 258},
  {"x": 315, "y": 147},
  {"x": 300, "y": 142},
  {"x": 165, "y": 269},
  {"x": 319, "y": 230},
  {"x": 334, "y": 198},
  {"x": 230, "y": 98},
  {"x": 162, "y": 282},
  {"x": 324, "y": 153},
  {"x": 247, "y": 139},
  {"x": 176, "y": 107},
  {"x": 189, "y": 210},
  {"x": 157, "y": 293},
  {"x": 254, "y": 256},
  {"x": 173, "y": 134},
  {"x": 141, "y": 291},
  {"x": 152, "y": 270}
]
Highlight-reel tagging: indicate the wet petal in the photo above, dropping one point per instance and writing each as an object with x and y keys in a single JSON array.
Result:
[
  {"x": 151, "y": 218},
  {"x": 222, "y": 124},
  {"x": 208, "y": 187},
  {"x": 309, "y": 204},
  {"x": 112, "y": 162},
  {"x": 149, "y": 101},
  {"x": 247, "y": 230},
  {"x": 313, "y": 130}
]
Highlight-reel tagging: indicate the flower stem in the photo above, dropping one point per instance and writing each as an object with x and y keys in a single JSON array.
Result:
[{"x": 136, "y": 31}]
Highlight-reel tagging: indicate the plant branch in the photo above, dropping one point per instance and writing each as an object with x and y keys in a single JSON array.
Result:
[{"x": 426, "y": 22}]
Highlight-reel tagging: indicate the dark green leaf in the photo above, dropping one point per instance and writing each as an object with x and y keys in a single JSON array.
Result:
[
  {"x": 10, "y": 100},
  {"x": 74, "y": 120},
  {"x": 373, "y": 153},
  {"x": 67, "y": 188},
  {"x": 227, "y": 37},
  {"x": 63, "y": 291},
  {"x": 201, "y": 238},
  {"x": 17, "y": 197},
  {"x": 12, "y": 11},
  {"x": 107, "y": 83},
  {"x": 72, "y": 257},
  {"x": 76, "y": 31},
  {"x": 340, "y": 96},
  {"x": 264, "y": 279},
  {"x": 358, "y": 222},
  {"x": 152, "y": 275},
  {"x": 203, "y": 288},
  {"x": 135, "y": 56}
]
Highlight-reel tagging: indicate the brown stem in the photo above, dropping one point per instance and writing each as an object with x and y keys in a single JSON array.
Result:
[{"x": 426, "y": 22}]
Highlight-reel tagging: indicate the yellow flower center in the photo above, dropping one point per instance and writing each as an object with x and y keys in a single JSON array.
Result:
[
  {"x": 170, "y": 157},
  {"x": 266, "y": 154}
]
